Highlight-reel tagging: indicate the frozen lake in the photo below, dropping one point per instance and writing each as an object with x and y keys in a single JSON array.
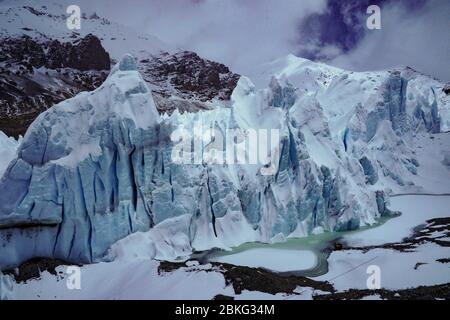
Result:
[
  {"x": 306, "y": 256},
  {"x": 279, "y": 260},
  {"x": 416, "y": 209},
  {"x": 348, "y": 268}
]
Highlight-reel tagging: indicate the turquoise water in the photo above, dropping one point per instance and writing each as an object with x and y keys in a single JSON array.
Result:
[{"x": 321, "y": 245}]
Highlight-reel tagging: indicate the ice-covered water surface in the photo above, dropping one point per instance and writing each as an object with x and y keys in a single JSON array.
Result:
[
  {"x": 398, "y": 269},
  {"x": 416, "y": 209},
  {"x": 305, "y": 256},
  {"x": 280, "y": 260}
]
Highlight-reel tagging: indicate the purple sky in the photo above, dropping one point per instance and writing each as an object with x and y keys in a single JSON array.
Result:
[{"x": 342, "y": 24}]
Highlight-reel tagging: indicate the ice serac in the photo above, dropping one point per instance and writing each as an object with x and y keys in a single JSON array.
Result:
[
  {"x": 74, "y": 187},
  {"x": 98, "y": 167}
]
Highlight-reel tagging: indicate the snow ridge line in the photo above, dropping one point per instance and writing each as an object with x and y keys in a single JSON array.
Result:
[{"x": 420, "y": 194}]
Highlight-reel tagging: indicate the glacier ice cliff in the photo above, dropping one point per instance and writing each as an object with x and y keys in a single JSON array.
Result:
[{"x": 98, "y": 167}]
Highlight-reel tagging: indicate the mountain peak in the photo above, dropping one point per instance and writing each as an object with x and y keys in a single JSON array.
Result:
[
  {"x": 127, "y": 63},
  {"x": 77, "y": 123}
]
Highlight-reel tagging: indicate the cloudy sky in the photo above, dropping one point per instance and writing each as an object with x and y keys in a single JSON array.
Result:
[{"x": 243, "y": 33}]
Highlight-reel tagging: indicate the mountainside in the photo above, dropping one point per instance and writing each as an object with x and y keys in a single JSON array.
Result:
[
  {"x": 185, "y": 82},
  {"x": 41, "y": 19},
  {"x": 35, "y": 75},
  {"x": 39, "y": 68},
  {"x": 100, "y": 166}
]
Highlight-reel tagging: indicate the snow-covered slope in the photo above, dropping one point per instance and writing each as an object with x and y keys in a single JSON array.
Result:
[
  {"x": 339, "y": 91},
  {"x": 100, "y": 166},
  {"x": 47, "y": 20}
]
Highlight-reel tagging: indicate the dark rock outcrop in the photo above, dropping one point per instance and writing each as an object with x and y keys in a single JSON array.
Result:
[
  {"x": 35, "y": 75},
  {"x": 446, "y": 89},
  {"x": 84, "y": 54},
  {"x": 187, "y": 82}
]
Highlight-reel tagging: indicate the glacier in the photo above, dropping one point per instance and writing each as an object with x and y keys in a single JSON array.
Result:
[{"x": 97, "y": 169}]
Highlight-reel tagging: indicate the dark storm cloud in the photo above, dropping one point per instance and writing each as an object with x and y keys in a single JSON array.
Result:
[
  {"x": 341, "y": 27},
  {"x": 415, "y": 36}
]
